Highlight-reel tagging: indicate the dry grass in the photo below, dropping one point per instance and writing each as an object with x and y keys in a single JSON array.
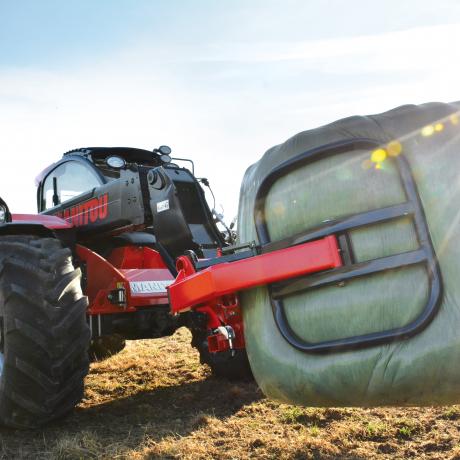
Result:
[{"x": 154, "y": 400}]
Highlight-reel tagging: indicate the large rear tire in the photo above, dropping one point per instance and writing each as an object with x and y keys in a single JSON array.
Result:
[{"x": 44, "y": 334}]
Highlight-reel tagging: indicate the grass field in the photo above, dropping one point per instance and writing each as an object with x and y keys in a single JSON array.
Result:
[{"x": 154, "y": 400}]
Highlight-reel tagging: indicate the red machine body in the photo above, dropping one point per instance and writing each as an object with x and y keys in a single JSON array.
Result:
[{"x": 126, "y": 247}]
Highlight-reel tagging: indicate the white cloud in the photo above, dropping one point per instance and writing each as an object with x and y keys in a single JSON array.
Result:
[{"x": 410, "y": 49}]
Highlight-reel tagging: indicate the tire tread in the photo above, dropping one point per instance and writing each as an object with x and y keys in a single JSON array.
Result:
[{"x": 45, "y": 331}]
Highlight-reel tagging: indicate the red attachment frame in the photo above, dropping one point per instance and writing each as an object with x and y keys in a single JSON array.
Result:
[
  {"x": 212, "y": 291},
  {"x": 224, "y": 311},
  {"x": 218, "y": 343},
  {"x": 191, "y": 289}
]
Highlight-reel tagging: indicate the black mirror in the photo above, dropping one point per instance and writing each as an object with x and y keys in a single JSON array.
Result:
[
  {"x": 165, "y": 158},
  {"x": 165, "y": 150}
]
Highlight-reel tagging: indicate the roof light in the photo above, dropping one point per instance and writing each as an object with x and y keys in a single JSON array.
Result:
[{"x": 115, "y": 162}]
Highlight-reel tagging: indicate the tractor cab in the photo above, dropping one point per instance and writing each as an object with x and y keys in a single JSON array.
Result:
[{"x": 110, "y": 193}]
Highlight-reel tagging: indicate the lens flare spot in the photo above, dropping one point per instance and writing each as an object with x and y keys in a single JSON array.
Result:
[
  {"x": 378, "y": 166},
  {"x": 427, "y": 131},
  {"x": 454, "y": 119},
  {"x": 394, "y": 148},
  {"x": 378, "y": 155},
  {"x": 438, "y": 127}
]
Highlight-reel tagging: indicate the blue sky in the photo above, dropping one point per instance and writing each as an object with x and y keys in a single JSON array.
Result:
[{"x": 219, "y": 81}]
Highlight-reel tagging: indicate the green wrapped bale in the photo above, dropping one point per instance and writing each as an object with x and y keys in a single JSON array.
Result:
[{"x": 423, "y": 369}]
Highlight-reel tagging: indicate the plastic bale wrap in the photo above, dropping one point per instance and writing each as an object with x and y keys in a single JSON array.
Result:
[{"x": 421, "y": 370}]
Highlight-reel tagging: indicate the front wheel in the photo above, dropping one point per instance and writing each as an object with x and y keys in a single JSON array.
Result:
[
  {"x": 231, "y": 365},
  {"x": 44, "y": 335}
]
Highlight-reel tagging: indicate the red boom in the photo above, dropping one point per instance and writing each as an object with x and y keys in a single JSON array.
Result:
[{"x": 191, "y": 289}]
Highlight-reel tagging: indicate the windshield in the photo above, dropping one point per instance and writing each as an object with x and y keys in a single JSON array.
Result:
[{"x": 72, "y": 179}]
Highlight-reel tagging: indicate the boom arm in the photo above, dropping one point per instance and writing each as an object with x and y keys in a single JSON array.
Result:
[{"x": 195, "y": 288}]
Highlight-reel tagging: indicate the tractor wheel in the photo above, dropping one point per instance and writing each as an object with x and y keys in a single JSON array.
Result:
[
  {"x": 44, "y": 335},
  {"x": 226, "y": 365}
]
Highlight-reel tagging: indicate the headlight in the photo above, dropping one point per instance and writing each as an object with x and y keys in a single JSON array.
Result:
[{"x": 115, "y": 162}]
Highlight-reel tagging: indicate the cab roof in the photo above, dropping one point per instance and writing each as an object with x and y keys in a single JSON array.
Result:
[{"x": 129, "y": 154}]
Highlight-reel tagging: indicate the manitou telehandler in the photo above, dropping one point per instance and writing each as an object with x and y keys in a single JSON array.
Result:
[{"x": 124, "y": 246}]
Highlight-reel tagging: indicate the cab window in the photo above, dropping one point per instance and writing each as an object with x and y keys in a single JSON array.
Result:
[{"x": 72, "y": 179}]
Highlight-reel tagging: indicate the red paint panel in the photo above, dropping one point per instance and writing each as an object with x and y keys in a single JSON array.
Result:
[
  {"x": 148, "y": 275},
  {"x": 127, "y": 257},
  {"x": 51, "y": 222},
  {"x": 103, "y": 277}
]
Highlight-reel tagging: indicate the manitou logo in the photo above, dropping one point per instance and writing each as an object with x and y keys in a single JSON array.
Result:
[{"x": 90, "y": 211}]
